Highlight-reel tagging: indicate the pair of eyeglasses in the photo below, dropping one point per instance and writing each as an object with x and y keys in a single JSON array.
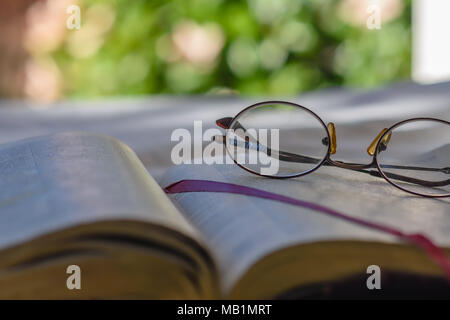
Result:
[{"x": 280, "y": 139}]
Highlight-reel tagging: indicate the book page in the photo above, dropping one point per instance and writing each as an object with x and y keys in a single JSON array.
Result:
[
  {"x": 241, "y": 230},
  {"x": 53, "y": 182}
]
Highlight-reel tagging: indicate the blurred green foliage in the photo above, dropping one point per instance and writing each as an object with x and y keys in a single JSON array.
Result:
[{"x": 266, "y": 47}]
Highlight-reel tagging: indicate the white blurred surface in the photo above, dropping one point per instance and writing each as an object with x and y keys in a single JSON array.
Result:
[{"x": 431, "y": 40}]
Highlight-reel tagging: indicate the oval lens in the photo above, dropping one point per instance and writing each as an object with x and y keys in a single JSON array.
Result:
[
  {"x": 277, "y": 139},
  {"x": 415, "y": 156}
]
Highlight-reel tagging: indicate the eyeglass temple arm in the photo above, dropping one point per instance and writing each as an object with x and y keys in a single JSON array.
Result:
[
  {"x": 291, "y": 157},
  {"x": 361, "y": 168},
  {"x": 282, "y": 155},
  {"x": 421, "y": 182}
]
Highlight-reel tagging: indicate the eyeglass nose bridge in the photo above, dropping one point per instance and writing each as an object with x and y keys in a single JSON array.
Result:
[
  {"x": 332, "y": 132},
  {"x": 332, "y": 141},
  {"x": 372, "y": 147}
]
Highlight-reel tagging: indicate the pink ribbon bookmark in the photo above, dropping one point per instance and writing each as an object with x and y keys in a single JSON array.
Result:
[{"x": 434, "y": 252}]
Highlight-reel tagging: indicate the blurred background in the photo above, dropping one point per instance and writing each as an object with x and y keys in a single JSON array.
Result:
[{"x": 246, "y": 47}]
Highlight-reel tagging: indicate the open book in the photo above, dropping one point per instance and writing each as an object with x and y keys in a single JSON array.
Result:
[{"x": 86, "y": 200}]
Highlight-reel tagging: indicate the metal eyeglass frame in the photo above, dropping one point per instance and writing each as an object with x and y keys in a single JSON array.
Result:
[{"x": 380, "y": 142}]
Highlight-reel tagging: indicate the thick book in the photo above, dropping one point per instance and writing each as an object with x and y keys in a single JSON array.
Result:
[{"x": 87, "y": 200}]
